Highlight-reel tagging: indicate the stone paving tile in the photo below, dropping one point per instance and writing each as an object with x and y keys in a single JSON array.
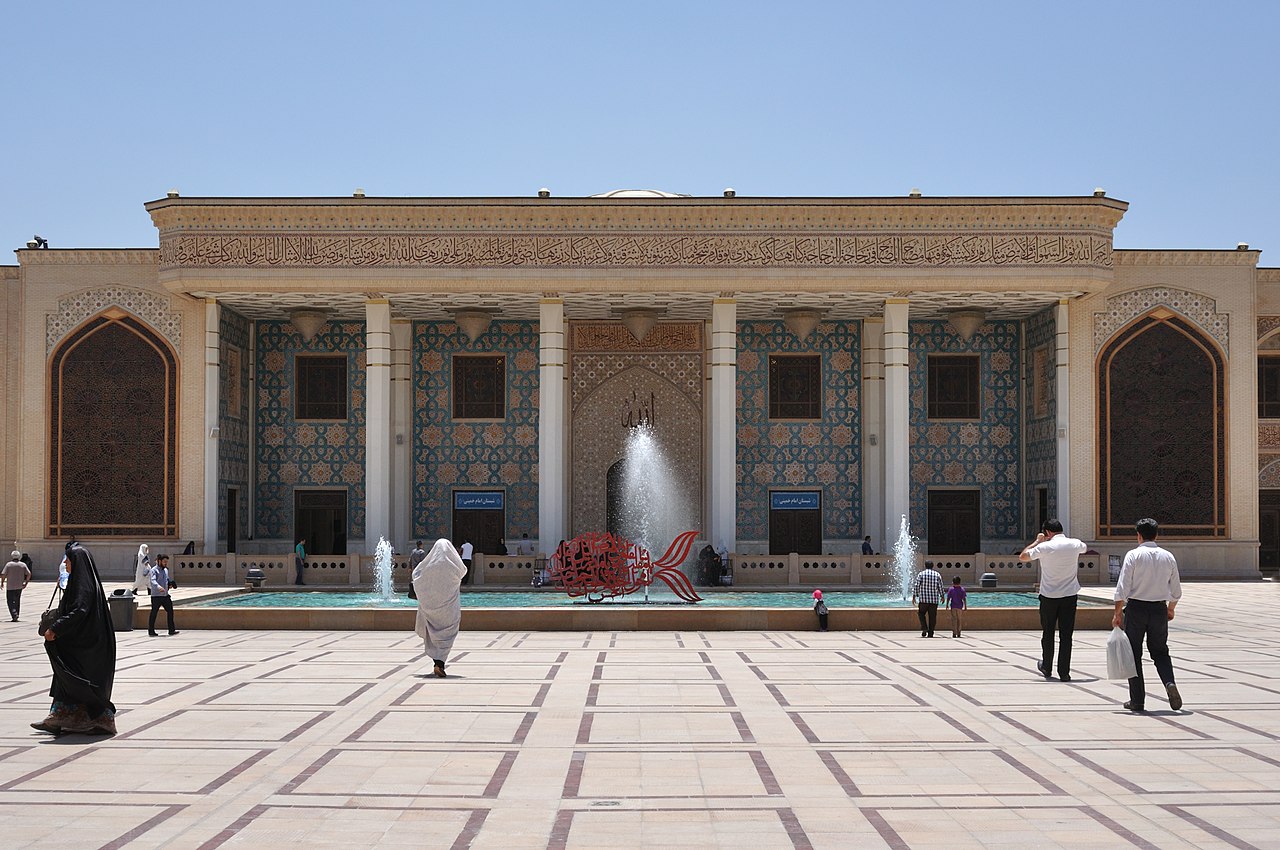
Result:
[{"x": 608, "y": 739}]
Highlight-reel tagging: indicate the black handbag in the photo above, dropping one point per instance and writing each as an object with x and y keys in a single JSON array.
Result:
[{"x": 51, "y": 613}]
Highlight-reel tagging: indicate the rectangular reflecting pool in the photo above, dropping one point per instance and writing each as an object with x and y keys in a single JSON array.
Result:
[{"x": 541, "y": 599}]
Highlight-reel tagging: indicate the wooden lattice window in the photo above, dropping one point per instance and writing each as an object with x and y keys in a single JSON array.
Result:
[
  {"x": 953, "y": 389},
  {"x": 322, "y": 387},
  {"x": 479, "y": 387},
  {"x": 113, "y": 432},
  {"x": 795, "y": 387},
  {"x": 1269, "y": 387}
]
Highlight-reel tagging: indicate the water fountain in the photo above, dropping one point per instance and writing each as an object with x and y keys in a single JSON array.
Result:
[
  {"x": 383, "y": 586},
  {"x": 903, "y": 566},
  {"x": 654, "y": 508}
]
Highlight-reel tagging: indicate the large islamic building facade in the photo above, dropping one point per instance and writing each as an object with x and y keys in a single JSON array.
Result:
[{"x": 342, "y": 369}]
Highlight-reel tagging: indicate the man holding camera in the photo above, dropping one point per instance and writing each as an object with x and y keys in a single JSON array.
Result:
[
  {"x": 160, "y": 583},
  {"x": 1059, "y": 591}
]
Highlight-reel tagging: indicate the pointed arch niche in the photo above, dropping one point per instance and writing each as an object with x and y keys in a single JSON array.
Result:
[
  {"x": 1162, "y": 429},
  {"x": 113, "y": 385}
]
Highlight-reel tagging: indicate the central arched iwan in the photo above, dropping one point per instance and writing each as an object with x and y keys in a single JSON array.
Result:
[
  {"x": 1161, "y": 430},
  {"x": 113, "y": 443}
]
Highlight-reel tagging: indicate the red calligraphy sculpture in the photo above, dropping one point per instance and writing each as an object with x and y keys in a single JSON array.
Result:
[{"x": 601, "y": 565}]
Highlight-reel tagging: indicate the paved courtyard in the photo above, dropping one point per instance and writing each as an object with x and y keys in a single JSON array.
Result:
[{"x": 654, "y": 739}]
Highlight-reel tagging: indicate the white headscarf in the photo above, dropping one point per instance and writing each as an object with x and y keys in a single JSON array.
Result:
[
  {"x": 142, "y": 568},
  {"x": 436, "y": 581}
]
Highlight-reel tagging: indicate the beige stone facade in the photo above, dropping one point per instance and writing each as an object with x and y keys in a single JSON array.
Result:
[{"x": 1013, "y": 260}]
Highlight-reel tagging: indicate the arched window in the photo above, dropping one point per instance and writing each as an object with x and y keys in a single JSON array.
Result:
[
  {"x": 1161, "y": 430},
  {"x": 113, "y": 436}
]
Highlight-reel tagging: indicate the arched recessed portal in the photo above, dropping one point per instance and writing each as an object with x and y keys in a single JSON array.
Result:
[
  {"x": 113, "y": 435},
  {"x": 1161, "y": 430}
]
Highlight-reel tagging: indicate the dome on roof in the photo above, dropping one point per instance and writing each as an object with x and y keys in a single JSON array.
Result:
[{"x": 639, "y": 193}]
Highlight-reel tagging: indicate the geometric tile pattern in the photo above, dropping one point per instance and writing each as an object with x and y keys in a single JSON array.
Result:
[
  {"x": 233, "y": 426},
  {"x": 1042, "y": 443},
  {"x": 295, "y": 454},
  {"x": 148, "y": 306},
  {"x": 822, "y": 454},
  {"x": 982, "y": 454},
  {"x": 501, "y": 454},
  {"x": 1123, "y": 308},
  {"x": 657, "y": 739}
]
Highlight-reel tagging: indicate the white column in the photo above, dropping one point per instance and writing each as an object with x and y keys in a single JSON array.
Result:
[
  {"x": 212, "y": 385},
  {"x": 873, "y": 520},
  {"x": 897, "y": 418},
  {"x": 401, "y": 435},
  {"x": 1062, "y": 394},
  {"x": 552, "y": 379},
  {"x": 722, "y": 492},
  {"x": 377, "y": 423}
]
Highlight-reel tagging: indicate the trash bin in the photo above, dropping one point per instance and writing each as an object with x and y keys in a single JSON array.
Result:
[
  {"x": 120, "y": 604},
  {"x": 990, "y": 580}
]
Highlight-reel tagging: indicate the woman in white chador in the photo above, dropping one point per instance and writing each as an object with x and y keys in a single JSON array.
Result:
[
  {"x": 436, "y": 581},
  {"x": 142, "y": 570}
]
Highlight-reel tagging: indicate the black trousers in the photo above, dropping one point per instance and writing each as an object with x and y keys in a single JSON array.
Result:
[
  {"x": 298, "y": 564},
  {"x": 14, "y": 598},
  {"x": 928, "y": 614},
  {"x": 158, "y": 602},
  {"x": 822, "y": 622},
  {"x": 1059, "y": 613},
  {"x": 1149, "y": 620}
]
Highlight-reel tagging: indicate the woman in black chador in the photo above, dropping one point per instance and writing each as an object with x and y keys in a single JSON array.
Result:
[{"x": 82, "y": 650}]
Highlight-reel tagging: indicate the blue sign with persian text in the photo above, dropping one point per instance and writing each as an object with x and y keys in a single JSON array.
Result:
[
  {"x": 798, "y": 501},
  {"x": 477, "y": 501}
]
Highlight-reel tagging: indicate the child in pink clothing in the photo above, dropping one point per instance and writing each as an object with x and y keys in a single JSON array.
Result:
[{"x": 957, "y": 601}]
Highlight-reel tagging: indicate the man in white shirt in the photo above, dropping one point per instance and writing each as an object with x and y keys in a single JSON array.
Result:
[
  {"x": 465, "y": 551},
  {"x": 1059, "y": 590},
  {"x": 1146, "y": 594}
]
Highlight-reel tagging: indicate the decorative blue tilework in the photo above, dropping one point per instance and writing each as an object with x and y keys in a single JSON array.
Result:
[
  {"x": 1042, "y": 442},
  {"x": 295, "y": 454},
  {"x": 475, "y": 455},
  {"x": 981, "y": 454},
  {"x": 822, "y": 454},
  {"x": 233, "y": 426}
]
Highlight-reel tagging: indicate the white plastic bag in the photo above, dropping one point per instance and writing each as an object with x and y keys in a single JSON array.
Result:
[{"x": 1120, "y": 663}]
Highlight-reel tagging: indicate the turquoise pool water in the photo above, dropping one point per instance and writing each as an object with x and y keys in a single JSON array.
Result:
[{"x": 538, "y": 599}]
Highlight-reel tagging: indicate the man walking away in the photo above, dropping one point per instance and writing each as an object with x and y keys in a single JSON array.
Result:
[
  {"x": 1059, "y": 591},
  {"x": 159, "y": 582},
  {"x": 14, "y": 579},
  {"x": 928, "y": 589},
  {"x": 1146, "y": 594}
]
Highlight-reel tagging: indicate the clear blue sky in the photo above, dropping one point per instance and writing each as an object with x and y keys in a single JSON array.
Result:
[{"x": 1171, "y": 106}]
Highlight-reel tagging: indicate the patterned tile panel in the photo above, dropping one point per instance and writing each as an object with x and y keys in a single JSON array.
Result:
[
  {"x": 499, "y": 454},
  {"x": 981, "y": 454},
  {"x": 1127, "y": 306},
  {"x": 821, "y": 454},
  {"x": 150, "y": 306},
  {"x": 234, "y": 411},
  {"x": 307, "y": 454},
  {"x": 1042, "y": 442}
]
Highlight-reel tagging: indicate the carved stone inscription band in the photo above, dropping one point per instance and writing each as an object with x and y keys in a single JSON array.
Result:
[{"x": 635, "y": 251}]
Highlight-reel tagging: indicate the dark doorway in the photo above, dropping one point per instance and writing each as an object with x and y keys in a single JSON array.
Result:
[
  {"x": 1269, "y": 531},
  {"x": 795, "y": 529},
  {"x": 1042, "y": 510},
  {"x": 232, "y": 529},
  {"x": 485, "y": 528},
  {"x": 613, "y": 499},
  {"x": 320, "y": 517},
  {"x": 953, "y": 522}
]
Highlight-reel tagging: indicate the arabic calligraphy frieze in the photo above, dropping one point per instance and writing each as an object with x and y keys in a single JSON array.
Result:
[{"x": 633, "y": 251}]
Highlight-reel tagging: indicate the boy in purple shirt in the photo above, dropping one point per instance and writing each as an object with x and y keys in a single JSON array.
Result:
[{"x": 957, "y": 601}]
